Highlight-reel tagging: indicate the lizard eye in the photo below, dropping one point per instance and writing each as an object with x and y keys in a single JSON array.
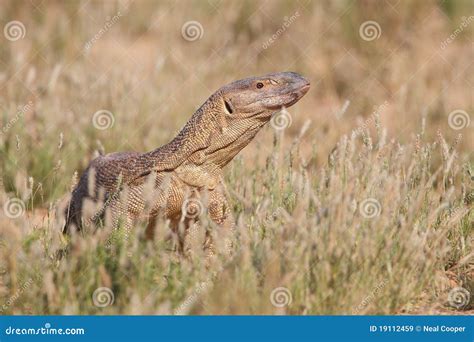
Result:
[{"x": 259, "y": 85}]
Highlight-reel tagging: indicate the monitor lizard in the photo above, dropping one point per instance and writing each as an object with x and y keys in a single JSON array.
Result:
[{"x": 186, "y": 174}]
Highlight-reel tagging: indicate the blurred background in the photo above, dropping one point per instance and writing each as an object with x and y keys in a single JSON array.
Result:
[{"x": 152, "y": 63}]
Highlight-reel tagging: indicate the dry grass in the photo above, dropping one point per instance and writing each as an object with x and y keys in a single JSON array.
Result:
[{"x": 300, "y": 195}]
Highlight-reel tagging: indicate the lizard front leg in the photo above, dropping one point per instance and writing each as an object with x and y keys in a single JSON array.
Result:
[
  {"x": 220, "y": 213},
  {"x": 217, "y": 238}
]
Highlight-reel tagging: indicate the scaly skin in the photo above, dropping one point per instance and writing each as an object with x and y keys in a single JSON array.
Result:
[{"x": 178, "y": 180}]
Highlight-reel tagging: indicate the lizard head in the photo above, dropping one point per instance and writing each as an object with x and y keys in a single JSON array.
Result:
[
  {"x": 241, "y": 108},
  {"x": 263, "y": 95}
]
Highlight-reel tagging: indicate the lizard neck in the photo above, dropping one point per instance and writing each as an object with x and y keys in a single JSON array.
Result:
[
  {"x": 210, "y": 137},
  {"x": 225, "y": 154},
  {"x": 230, "y": 140},
  {"x": 195, "y": 136}
]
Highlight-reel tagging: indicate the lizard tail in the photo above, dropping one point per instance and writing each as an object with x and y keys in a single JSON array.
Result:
[{"x": 72, "y": 215}]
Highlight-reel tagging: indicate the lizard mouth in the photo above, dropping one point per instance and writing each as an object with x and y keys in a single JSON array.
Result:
[
  {"x": 304, "y": 89},
  {"x": 288, "y": 99}
]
